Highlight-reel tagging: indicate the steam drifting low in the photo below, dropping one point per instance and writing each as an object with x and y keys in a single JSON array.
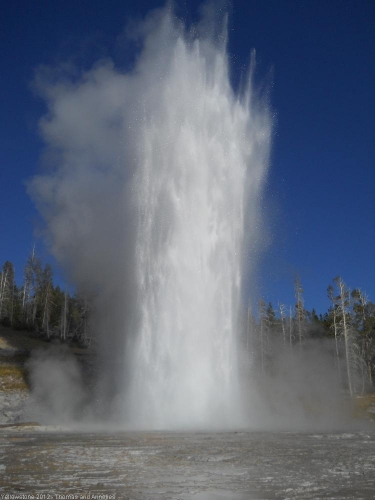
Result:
[{"x": 152, "y": 203}]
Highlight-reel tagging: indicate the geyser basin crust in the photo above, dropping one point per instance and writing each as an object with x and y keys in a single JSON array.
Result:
[{"x": 187, "y": 466}]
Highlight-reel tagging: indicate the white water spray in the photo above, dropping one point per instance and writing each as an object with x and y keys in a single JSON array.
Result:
[{"x": 191, "y": 156}]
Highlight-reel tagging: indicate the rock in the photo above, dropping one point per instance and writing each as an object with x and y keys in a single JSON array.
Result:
[{"x": 11, "y": 406}]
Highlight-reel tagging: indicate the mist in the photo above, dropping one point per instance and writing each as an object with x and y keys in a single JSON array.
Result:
[
  {"x": 151, "y": 192},
  {"x": 150, "y": 177},
  {"x": 57, "y": 390},
  {"x": 302, "y": 392}
]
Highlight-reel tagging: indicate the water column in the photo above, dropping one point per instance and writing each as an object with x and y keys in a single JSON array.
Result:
[{"x": 202, "y": 157}]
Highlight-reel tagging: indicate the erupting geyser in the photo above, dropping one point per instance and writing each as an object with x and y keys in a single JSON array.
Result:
[{"x": 153, "y": 201}]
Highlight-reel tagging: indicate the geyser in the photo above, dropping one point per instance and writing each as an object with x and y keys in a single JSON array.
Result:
[{"x": 153, "y": 202}]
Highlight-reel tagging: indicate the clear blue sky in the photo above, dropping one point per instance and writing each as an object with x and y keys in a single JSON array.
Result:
[{"x": 320, "y": 195}]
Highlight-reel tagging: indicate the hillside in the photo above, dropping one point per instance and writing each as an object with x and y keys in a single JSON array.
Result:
[{"x": 15, "y": 349}]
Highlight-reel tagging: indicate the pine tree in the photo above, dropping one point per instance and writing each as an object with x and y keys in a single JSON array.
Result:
[
  {"x": 46, "y": 299},
  {"x": 271, "y": 317}
]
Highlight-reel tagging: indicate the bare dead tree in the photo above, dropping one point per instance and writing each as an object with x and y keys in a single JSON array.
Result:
[
  {"x": 263, "y": 332},
  {"x": 290, "y": 330},
  {"x": 334, "y": 302},
  {"x": 299, "y": 309},
  {"x": 352, "y": 352},
  {"x": 363, "y": 300},
  {"x": 282, "y": 310}
]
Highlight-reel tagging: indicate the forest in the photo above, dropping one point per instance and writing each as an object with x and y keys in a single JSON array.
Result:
[
  {"x": 40, "y": 306},
  {"x": 347, "y": 329}
]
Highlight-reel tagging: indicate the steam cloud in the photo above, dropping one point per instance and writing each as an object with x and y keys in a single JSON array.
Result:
[
  {"x": 152, "y": 199},
  {"x": 58, "y": 394},
  {"x": 152, "y": 175},
  {"x": 151, "y": 203}
]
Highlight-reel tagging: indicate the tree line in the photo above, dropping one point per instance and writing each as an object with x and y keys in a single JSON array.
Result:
[
  {"x": 347, "y": 330},
  {"x": 349, "y": 324},
  {"x": 37, "y": 305}
]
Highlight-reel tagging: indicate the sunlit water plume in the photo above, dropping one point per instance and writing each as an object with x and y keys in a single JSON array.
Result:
[{"x": 154, "y": 202}]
